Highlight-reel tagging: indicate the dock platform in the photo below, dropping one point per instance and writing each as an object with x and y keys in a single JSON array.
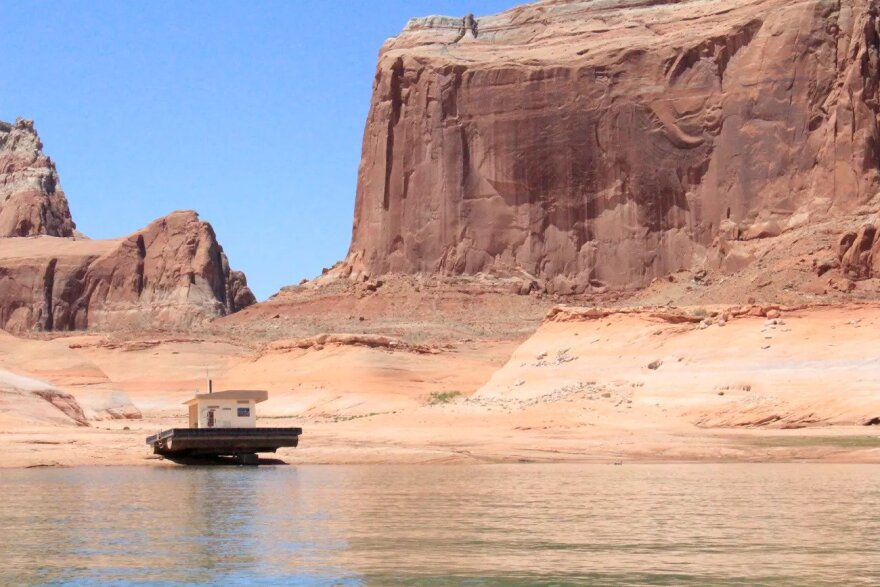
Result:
[{"x": 242, "y": 443}]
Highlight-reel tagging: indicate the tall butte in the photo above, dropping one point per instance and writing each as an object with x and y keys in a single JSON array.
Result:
[
  {"x": 609, "y": 142},
  {"x": 171, "y": 274}
]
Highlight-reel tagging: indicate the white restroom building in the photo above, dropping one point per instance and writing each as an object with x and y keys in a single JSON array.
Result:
[{"x": 234, "y": 408}]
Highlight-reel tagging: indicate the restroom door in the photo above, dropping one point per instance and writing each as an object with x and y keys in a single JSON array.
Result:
[
  {"x": 211, "y": 421},
  {"x": 226, "y": 418}
]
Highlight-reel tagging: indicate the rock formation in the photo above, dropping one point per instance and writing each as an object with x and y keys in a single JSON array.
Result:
[
  {"x": 27, "y": 399},
  {"x": 592, "y": 143},
  {"x": 859, "y": 253},
  {"x": 31, "y": 200},
  {"x": 175, "y": 266},
  {"x": 173, "y": 273}
]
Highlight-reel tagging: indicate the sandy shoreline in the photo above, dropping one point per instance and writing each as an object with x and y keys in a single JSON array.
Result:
[
  {"x": 630, "y": 385},
  {"x": 335, "y": 444}
]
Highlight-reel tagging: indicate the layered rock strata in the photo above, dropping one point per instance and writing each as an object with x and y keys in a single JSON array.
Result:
[
  {"x": 609, "y": 142},
  {"x": 171, "y": 274},
  {"x": 31, "y": 199}
]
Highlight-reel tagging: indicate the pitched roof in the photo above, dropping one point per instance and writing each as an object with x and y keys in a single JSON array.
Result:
[{"x": 258, "y": 395}]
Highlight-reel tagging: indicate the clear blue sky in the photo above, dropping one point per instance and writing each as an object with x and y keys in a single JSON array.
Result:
[{"x": 250, "y": 113}]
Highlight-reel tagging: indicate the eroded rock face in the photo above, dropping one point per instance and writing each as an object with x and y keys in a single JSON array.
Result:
[
  {"x": 859, "y": 253},
  {"x": 31, "y": 199},
  {"x": 612, "y": 142},
  {"x": 174, "y": 266},
  {"x": 171, "y": 274}
]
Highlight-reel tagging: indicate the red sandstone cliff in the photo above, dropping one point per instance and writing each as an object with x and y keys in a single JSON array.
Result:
[
  {"x": 616, "y": 140},
  {"x": 31, "y": 199},
  {"x": 173, "y": 273}
]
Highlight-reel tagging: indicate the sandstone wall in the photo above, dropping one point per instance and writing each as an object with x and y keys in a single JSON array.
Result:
[
  {"x": 611, "y": 142},
  {"x": 171, "y": 274}
]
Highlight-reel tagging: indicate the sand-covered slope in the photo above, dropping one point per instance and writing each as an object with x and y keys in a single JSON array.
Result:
[
  {"x": 132, "y": 386},
  {"x": 25, "y": 401},
  {"x": 418, "y": 309},
  {"x": 746, "y": 367},
  {"x": 648, "y": 384}
]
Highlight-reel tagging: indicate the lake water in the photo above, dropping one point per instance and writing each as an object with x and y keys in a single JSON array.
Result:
[{"x": 788, "y": 524}]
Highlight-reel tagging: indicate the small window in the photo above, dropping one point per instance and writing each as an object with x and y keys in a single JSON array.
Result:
[{"x": 244, "y": 412}]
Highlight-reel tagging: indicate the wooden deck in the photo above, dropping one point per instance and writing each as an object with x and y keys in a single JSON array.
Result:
[{"x": 212, "y": 442}]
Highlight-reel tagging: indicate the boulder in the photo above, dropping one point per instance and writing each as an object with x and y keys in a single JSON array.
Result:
[
  {"x": 171, "y": 274},
  {"x": 858, "y": 252}
]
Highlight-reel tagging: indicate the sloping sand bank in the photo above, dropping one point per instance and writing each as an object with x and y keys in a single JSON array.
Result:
[{"x": 588, "y": 385}]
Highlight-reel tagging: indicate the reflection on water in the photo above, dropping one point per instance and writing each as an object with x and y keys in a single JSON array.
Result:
[{"x": 425, "y": 525}]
